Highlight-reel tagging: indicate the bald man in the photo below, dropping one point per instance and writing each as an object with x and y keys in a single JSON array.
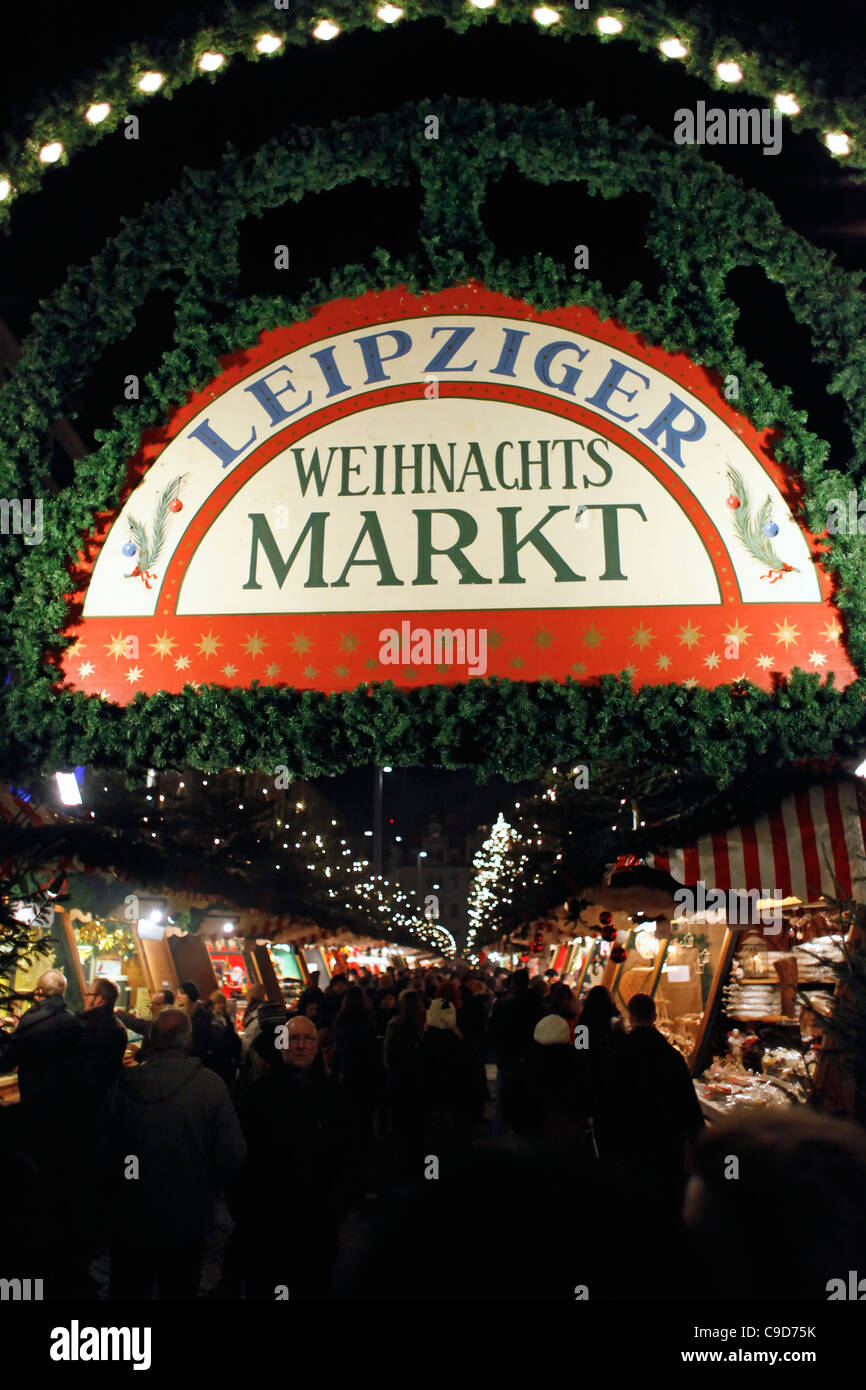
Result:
[
  {"x": 293, "y": 1123},
  {"x": 44, "y": 1046}
]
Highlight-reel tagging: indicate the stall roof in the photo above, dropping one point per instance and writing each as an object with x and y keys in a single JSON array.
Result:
[{"x": 807, "y": 846}]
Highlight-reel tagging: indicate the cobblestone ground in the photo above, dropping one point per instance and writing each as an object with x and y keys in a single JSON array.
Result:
[{"x": 355, "y": 1233}]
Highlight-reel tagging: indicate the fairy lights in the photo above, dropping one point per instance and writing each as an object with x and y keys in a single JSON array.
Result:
[
  {"x": 729, "y": 72},
  {"x": 544, "y": 16},
  {"x": 837, "y": 142},
  {"x": 325, "y": 30},
  {"x": 786, "y": 103},
  {"x": 609, "y": 24},
  {"x": 211, "y": 62},
  {"x": 268, "y": 43},
  {"x": 672, "y": 48},
  {"x": 97, "y": 113},
  {"x": 151, "y": 82},
  {"x": 49, "y": 154}
]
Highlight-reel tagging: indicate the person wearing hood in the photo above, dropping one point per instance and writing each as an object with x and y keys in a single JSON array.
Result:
[
  {"x": 175, "y": 1141},
  {"x": 448, "y": 1083},
  {"x": 551, "y": 1099}
]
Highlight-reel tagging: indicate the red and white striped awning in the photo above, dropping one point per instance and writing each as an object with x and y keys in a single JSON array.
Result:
[{"x": 808, "y": 846}]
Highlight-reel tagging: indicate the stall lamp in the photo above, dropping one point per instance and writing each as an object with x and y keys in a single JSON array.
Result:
[
  {"x": 155, "y": 916},
  {"x": 68, "y": 788},
  {"x": 227, "y": 926}
]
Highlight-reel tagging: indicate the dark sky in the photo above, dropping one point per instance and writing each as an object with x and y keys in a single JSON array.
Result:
[{"x": 360, "y": 73}]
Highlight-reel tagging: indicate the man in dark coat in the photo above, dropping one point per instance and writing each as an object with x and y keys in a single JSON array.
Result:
[
  {"x": 43, "y": 1048},
  {"x": 512, "y": 1025},
  {"x": 103, "y": 1042},
  {"x": 189, "y": 999},
  {"x": 296, "y": 1136},
  {"x": 662, "y": 1111},
  {"x": 175, "y": 1141},
  {"x": 162, "y": 999}
]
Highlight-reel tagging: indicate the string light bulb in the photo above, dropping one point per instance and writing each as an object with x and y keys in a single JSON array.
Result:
[
  {"x": 97, "y": 112},
  {"x": 545, "y": 16},
  {"x": 211, "y": 62},
  {"x": 151, "y": 81},
  {"x": 325, "y": 30},
  {"x": 673, "y": 48},
  {"x": 787, "y": 103},
  {"x": 729, "y": 72},
  {"x": 389, "y": 14},
  {"x": 5, "y": 188},
  {"x": 49, "y": 154},
  {"x": 609, "y": 24},
  {"x": 268, "y": 43},
  {"x": 837, "y": 142}
]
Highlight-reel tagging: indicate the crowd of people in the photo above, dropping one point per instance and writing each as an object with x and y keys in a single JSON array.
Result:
[{"x": 367, "y": 1115}]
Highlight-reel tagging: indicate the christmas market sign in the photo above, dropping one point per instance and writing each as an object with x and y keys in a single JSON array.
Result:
[{"x": 431, "y": 488}]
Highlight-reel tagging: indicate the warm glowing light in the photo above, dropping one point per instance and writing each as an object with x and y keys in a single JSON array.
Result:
[
  {"x": 268, "y": 43},
  {"x": 837, "y": 142},
  {"x": 210, "y": 62},
  {"x": 786, "y": 103},
  {"x": 545, "y": 16},
  {"x": 672, "y": 48},
  {"x": 326, "y": 30},
  {"x": 97, "y": 112},
  {"x": 484, "y": 4},
  {"x": 389, "y": 14},
  {"x": 5, "y": 188},
  {"x": 608, "y": 24},
  {"x": 67, "y": 786},
  {"x": 151, "y": 81},
  {"x": 49, "y": 154},
  {"x": 729, "y": 72}
]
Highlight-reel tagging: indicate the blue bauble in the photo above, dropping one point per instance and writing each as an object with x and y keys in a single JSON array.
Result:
[
  {"x": 770, "y": 528},
  {"x": 129, "y": 548}
]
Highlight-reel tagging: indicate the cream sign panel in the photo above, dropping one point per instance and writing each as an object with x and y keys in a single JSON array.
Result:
[
  {"x": 446, "y": 496},
  {"x": 401, "y": 483}
]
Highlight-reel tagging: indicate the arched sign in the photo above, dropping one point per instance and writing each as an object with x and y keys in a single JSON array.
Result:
[{"x": 439, "y": 487}]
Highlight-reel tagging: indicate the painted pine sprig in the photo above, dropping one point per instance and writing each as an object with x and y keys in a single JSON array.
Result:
[
  {"x": 149, "y": 548},
  {"x": 749, "y": 526}
]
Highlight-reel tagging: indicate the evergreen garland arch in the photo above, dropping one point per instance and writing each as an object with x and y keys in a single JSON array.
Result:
[
  {"x": 779, "y": 61},
  {"x": 703, "y": 225}
]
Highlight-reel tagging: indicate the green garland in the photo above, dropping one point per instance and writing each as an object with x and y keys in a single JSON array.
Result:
[
  {"x": 703, "y": 226},
  {"x": 797, "y": 65}
]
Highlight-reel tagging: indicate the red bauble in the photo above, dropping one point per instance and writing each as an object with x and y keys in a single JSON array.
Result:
[
  {"x": 733, "y": 503},
  {"x": 618, "y": 954},
  {"x": 176, "y": 505}
]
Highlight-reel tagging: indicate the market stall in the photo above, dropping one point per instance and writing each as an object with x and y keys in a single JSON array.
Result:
[{"x": 765, "y": 985}]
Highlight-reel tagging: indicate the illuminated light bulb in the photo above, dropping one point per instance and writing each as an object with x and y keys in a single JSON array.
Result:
[
  {"x": 5, "y": 188},
  {"x": 325, "y": 29},
  {"x": 483, "y": 4},
  {"x": 672, "y": 48},
  {"x": 97, "y": 112},
  {"x": 729, "y": 72},
  {"x": 608, "y": 24},
  {"x": 151, "y": 81},
  {"x": 837, "y": 142},
  {"x": 268, "y": 43},
  {"x": 389, "y": 14},
  {"x": 49, "y": 154},
  {"x": 786, "y": 103},
  {"x": 210, "y": 62},
  {"x": 545, "y": 16}
]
